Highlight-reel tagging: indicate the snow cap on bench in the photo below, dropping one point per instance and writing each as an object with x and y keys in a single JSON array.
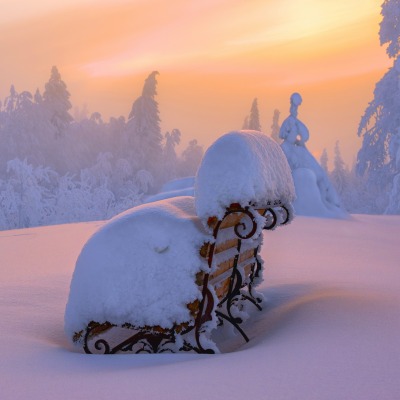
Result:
[
  {"x": 139, "y": 268},
  {"x": 244, "y": 167}
]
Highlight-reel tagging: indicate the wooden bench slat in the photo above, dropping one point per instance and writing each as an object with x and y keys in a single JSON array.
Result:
[{"x": 228, "y": 244}]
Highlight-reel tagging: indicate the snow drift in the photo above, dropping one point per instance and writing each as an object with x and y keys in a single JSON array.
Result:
[
  {"x": 139, "y": 268},
  {"x": 242, "y": 167}
]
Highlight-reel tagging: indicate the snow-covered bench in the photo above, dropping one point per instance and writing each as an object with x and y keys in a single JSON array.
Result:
[{"x": 161, "y": 276}]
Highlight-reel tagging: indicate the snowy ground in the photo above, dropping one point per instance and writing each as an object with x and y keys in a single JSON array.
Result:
[{"x": 329, "y": 329}]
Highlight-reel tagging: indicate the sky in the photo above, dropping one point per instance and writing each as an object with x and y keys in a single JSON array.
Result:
[{"x": 214, "y": 57}]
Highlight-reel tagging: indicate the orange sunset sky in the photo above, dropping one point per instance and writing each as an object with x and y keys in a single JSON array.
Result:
[{"x": 214, "y": 57}]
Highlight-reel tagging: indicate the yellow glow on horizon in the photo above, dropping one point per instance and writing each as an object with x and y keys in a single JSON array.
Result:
[
  {"x": 217, "y": 35},
  {"x": 297, "y": 20}
]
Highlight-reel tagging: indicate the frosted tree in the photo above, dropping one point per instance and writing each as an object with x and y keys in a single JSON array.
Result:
[
  {"x": 170, "y": 159},
  {"x": 21, "y": 129},
  {"x": 394, "y": 198},
  {"x": 9, "y": 141},
  {"x": 254, "y": 117},
  {"x": 118, "y": 145},
  {"x": 191, "y": 158},
  {"x": 339, "y": 173},
  {"x": 143, "y": 126},
  {"x": 144, "y": 180},
  {"x": 73, "y": 200},
  {"x": 10, "y": 102},
  {"x": 381, "y": 119},
  {"x": 26, "y": 197},
  {"x": 37, "y": 97},
  {"x": 389, "y": 27},
  {"x": 275, "y": 127},
  {"x": 57, "y": 104},
  {"x": 324, "y": 160}
]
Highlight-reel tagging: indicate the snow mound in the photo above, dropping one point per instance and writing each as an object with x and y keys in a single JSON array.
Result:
[
  {"x": 308, "y": 197},
  {"x": 139, "y": 268},
  {"x": 242, "y": 167}
]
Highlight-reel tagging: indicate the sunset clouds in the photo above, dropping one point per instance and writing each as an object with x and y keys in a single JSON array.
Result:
[{"x": 226, "y": 51}]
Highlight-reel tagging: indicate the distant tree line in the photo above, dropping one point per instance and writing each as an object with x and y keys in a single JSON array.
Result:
[{"x": 55, "y": 168}]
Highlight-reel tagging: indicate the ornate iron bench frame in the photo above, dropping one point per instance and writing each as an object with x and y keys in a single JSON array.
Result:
[{"x": 155, "y": 339}]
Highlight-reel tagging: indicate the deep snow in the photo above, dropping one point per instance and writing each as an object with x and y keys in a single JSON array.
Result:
[
  {"x": 245, "y": 167},
  {"x": 140, "y": 267},
  {"x": 329, "y": 328}
]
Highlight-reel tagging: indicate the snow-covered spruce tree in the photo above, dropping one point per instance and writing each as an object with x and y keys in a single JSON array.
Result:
[
  {"x": 381, "y": 119},
  {"x": 389, "y": 32},
  {"x": 275, "y": 127},
  {"x": 21, "y": 129},
  {"x": 324, "y": 160},
  {"x": 56, "y": 102},
  {"x": 170, "y": 159},
  {"x": 190, "y": 159},
  {"x": 143, "y": 127},
  {"x": 10, "y": 102},
  {"x": 339, "y": 174},
  {"x": 7, "y": 122},
  {"x": 254, "y": 117}
]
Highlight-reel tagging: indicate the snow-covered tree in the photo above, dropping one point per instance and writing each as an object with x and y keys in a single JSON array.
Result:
[
  {"x": 339, "y": 173},
  {"x": 26, "y": 197},
  {"x": 191, "y": 158},
  {"x": 38, "y": 98},
  {"x": 324, "y": 160},
  {"x": 389, "y": 32},
  {"x": 170, "y": 159},
  {"x": 10, "y": 102},
  {"x": 394, "y": 197},
  {"x": 22, "y": 127},
  {"x": 275, "y": 127},
  {"x": 56, "y": 101},
  {"x": 381, "y": 119},
  {"x": 143, "y": 127},
  {"x": 254, "y": 117}
]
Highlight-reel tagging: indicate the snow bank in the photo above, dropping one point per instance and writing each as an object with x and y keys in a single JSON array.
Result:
[
  {"x": 139, "y": 268},
  {"x": 330, "y": 330},
  {"x": 242, "y": 167}
]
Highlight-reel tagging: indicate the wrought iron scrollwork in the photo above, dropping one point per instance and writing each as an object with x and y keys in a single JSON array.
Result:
[
  {"x": 142, "y": 341},
  {"x": 243, "y": 230},
  {"x": 286, "y": 213},
  {"x": 270, "y": 219},
  {"x": 234, "y": 293}
]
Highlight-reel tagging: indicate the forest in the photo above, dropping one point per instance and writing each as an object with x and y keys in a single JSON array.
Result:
[{"x": 55, "y": 168}]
